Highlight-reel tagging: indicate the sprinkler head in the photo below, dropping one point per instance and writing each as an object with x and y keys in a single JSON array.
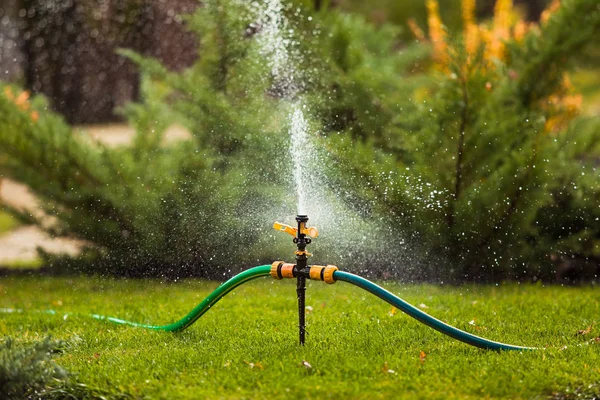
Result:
[
  {"x": 303, "y": 229},
  {"x": 302, "y": 218}
]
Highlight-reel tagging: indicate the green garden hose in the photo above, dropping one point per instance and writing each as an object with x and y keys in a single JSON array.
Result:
[
  {"x": 191, "y": 317},
  {"x": 420, "y": 316},
  {"x": 201, "y": 308},
  {"x": 363, "y": 283}
]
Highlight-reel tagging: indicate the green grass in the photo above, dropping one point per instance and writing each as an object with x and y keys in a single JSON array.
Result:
[
  {"x": 246, "y": 347},
  {"x": 7, "y": 222}
]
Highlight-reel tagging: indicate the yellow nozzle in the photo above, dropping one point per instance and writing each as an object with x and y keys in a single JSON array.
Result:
[
  {"x": 278, "y": 226},
  {"x": 312, "y": 232}
]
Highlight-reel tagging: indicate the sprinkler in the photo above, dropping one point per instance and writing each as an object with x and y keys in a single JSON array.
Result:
[
  {"x": 302, "y": 271},
  {"x": 279, "y": 270}
]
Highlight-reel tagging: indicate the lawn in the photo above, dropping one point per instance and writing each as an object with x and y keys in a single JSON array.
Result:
[{"x": 357, "y": 347}]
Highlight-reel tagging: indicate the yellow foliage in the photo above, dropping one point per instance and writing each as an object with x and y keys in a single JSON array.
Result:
[
  {"x": 520, "y": 30},
  {"x": 22, "y": 101},
  {"x": 547, "y": 13},
  {"x": 500, "y": 30},
  {"x": 506, "y": 25},
  {"x": 437, "y": 34},
  {"x": 416, "y": 30},
  {"x": 470, "y": 29},
  {"x": 468, "y": 12},
  {"x": 563, "y": 106}
]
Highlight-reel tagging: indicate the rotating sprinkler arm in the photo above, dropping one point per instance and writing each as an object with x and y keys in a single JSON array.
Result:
[{"x": 312, "y": 231}]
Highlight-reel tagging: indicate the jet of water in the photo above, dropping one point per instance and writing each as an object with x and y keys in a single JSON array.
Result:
[{"x": 353, "y": 236}]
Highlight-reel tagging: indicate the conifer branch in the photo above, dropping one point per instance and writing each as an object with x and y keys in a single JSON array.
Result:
[{"x": 460, "y": 149}]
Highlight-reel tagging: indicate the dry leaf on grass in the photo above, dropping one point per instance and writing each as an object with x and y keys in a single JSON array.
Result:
[
  {"x": 584, "y": 331},
  {"x": 254, "y": 365}
]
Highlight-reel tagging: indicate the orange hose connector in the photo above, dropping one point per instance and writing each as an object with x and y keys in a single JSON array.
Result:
[
  {"x": 280, "y": 270},
  {"x": 322, "y": 273},
  {"x": 328, "y": 274}
]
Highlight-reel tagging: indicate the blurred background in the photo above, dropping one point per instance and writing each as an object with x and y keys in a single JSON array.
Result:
[
  {"x": 117, "y": 71},
  {"x": 67, "y": 50}
]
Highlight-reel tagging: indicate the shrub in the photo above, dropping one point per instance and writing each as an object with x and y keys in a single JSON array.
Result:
[
  {"x": 26, "y": 370},
  {"x": 471, "y": 158},
  {"x": 204, "y": 205},
  {"x": 144, "y": 210},
  {"x": 485, "y": 167}
]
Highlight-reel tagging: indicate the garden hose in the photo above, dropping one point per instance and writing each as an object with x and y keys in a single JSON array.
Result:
[
  {"x": 192, "y": 316},
  {"x": 420, "y": 316},
  {"x": 329, "y": 274},
  {"x": 203, "y": 307}
]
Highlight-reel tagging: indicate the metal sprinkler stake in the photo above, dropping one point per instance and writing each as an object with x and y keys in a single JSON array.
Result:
[{"x": 301, "y": 265}]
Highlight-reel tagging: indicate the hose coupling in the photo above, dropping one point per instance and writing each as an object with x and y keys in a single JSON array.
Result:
[
  {"x": 280, "y": 270},
  {"x": 323, "y": 273}
]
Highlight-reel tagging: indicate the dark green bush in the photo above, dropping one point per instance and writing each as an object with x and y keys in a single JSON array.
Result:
[
  {"x": 203, "y": 206},
  {"x": 466, "y": 162},
  {"x": 476, "y": 170}
]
